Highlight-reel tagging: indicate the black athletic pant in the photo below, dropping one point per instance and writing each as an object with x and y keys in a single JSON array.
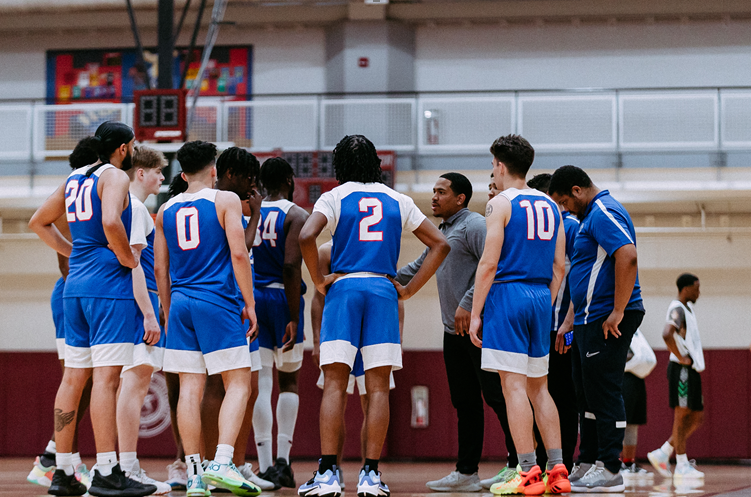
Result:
[
  {"x": 561, "y": 388},
  {"x": 598, "y": 379},
  {"x": 468, "y": 384}
]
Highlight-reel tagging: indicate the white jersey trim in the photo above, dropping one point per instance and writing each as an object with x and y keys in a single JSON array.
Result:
[
  {"x": 85, "y": 169},
  {"x": 512, "y": 193},
  {"x": 604, "y": 209},
  {"x": 283, "y": 205},
  {"x": 205, "y": 194},
  {"x": 601, "y": 255}
]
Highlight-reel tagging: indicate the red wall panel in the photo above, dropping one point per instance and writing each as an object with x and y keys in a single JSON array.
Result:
[{"x": 31, "y": 379}]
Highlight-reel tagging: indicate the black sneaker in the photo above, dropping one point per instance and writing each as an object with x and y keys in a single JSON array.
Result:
[
  {"x": 286, "y": 477},
  {"x": 47, "y": 459},
  {"x": 271, "y": 475},
  {"x": 63, "y": 484},
  {"x": 118, "y": 485}
]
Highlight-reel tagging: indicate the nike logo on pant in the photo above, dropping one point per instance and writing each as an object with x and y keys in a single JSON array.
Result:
[{"x": 592, "y": 354}]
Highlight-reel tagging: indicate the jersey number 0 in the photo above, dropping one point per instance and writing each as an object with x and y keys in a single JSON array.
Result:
[{"x": 188, "y": 236}]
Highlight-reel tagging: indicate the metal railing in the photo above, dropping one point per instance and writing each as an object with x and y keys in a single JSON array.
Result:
[{"x": 612, "y": 121}]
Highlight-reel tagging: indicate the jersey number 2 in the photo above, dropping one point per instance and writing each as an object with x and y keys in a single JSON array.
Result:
[
  {"x": 545, "y": 231},
  {"x": 365, "y": 205},
  {"x": 188, "y": 236},
  {"x": 81, "y": 197}
]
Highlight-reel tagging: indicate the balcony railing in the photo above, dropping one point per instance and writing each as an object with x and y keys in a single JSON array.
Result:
[{"x": 614, "y": 121}]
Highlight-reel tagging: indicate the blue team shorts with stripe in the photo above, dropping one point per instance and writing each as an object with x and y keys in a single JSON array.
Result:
[
  {"x": 361, "y": 314},
  {"x": 203, "y": 336},
  {"x": 516, "y": 329},
  {"x": 356, "y": 376},
  {"x": 58, "y": 317},
  {"x": 151, "y": 355},
  {"x": 272, "y": 312},
  {"x": 98, "y": 331}
]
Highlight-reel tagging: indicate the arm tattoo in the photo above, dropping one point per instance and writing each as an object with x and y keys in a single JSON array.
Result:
[
  {"x": 63, "y": 419},
  {"x": 488, "y": 210}
]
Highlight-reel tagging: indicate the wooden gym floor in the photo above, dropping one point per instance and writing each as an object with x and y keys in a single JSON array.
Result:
[{"x": 408, "y": 479}]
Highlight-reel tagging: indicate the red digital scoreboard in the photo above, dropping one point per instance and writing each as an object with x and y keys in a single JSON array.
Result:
[{"x": 160, "y": 115}]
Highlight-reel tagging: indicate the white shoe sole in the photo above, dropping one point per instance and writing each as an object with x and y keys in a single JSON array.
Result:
[
  {"x": 462, "y": 488},
  {"x": 370, "y": 491},
  {"x": 323, "y": 491},
  {"x": 617, "y": 489}
]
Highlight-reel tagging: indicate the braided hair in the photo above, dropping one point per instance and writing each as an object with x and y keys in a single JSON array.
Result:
[
  {"x": 238, "y": 162},
  {"x": 275, "y": 173},
  {"x": 178, "y": 186},
  {"x": 356, "y": 159},
  {"x": 85, "y": 153},
  {"x": 109, "y": 136}
]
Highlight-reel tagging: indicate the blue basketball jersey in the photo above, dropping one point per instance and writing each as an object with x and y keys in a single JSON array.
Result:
[
  {"x": 199, "y": 254},
  {"x": 563, "y": 299},
  {"x": 366, "y": 221},
  {"x": 270, "y": 243},
  {"x": 94, "y": 268},
  {"x": 142, "y": 233},
  {"x": 529, "y": 238}
]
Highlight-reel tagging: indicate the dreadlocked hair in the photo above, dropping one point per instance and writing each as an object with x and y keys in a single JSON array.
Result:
[
  {"x": 356, "y": 159},
  {"x": 85, "y": 153},
  {"x": 238, "y": 162},
  {"x": 275, "y": 173},
  {"x": 178, "y": 186}
]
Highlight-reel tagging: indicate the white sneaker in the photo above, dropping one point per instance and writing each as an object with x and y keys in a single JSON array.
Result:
[
  {"x": 247, "y": 471},
  {"x": 139, "y": 475},
  {"x": 687, "y": 470},
  {"x": 660, "y": 461},
  {"x": 177, "y": 475},
  {"x": 456, "y": 482}
]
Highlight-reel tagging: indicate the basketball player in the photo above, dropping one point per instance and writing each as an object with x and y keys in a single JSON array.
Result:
[
  {"x": 522, "y": 266},
  {"x": 366, "y": 219},
  {"x": 278, "y": 293},
  {"x": 681, "y": 335},
  {"x": 83, "y": 155},
  {"x": 237, "y": 172},
  {"x": 560, "y": 380},
  {"x": 357, "y": 375},
  {"x": 148, "y": 351},
  {"x": 99, "y": 306},
  {"x": 608, "y": 309},
  {"x": 200, "y": 260},
  {"x": 492, "y": 189}
]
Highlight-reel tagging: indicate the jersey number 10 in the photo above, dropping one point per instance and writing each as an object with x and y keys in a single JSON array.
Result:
[
  {"x": 81, "y": 197},
  {"x": 188, "y": 236},
  {"x": 545, "y": 231}
]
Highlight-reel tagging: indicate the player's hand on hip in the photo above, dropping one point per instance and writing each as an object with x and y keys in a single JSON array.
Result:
[
  {"x": 290, "y": 336},
  {"x": 475, "y": 331},
  {"x": 610, "y": 326},
  {"x": 462, "y": 318},
  {"x": 152, "y": 332},
  {"x": 328, "y": 280},
  {"x": 249, "y": 313},
  {"x": 401, "y": 291}
]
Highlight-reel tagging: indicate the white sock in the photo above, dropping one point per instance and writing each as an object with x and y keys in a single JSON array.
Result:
[
  {"x": 667, "y": 448},
  {"x": 194, "y": 464},
  {"x": 263, "y": 419},
  {"x": 76, "y": 459},
  {"x": 681, "y": 459},
  {"x": 127, "y": 461},
  {"x": 105, "y": 461},
  {"x": 224, "y": 453},
  {"x": 286, "y": 417},
  {"x": 63, "y": 461},
  {"x": 51, "y": 447}
]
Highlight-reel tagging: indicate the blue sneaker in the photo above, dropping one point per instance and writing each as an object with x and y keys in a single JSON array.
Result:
[
  {"x": 322, "y": 485},
  {"x": 370, "y": 485}
]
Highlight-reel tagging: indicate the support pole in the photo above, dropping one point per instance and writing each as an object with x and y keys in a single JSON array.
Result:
[{"x": 166, "y": 46}]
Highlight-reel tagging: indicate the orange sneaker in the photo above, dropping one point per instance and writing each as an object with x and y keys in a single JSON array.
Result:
[
  {"x": 556, "y": 480},
  {"x": 529, "y": 483}
]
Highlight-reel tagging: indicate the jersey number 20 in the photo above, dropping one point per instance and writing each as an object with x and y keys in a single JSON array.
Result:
[
  {"x": 365, "y": 204},
  {"x": 545, "y": 230},
  {"x": 188, "y": 236},
  {"x": 81, "y": 197}
]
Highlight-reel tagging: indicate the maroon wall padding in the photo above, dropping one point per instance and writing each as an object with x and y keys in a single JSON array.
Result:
[{"x": 30, "y": 382}]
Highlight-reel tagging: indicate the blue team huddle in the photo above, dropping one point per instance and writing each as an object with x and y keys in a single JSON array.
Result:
[{"x": 212, "y": 288}]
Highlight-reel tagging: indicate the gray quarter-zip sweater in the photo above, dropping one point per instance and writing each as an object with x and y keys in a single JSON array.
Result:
[{"x": 465, "y": 232}]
